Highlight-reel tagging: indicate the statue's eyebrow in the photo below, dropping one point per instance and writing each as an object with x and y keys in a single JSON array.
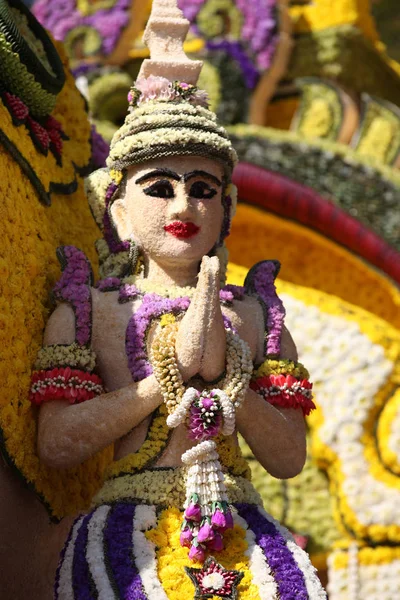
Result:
[
  {"x": 204, "y": 174},
  {"x": 158, "y": 173}
]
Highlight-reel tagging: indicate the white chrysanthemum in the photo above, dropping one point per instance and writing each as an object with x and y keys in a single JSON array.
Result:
[{"x": 213, "y": 581}]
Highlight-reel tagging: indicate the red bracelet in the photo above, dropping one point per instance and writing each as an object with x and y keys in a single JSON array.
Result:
[
  {"x": 64, "y": 383},
  {"x": 285, "y": 391}
]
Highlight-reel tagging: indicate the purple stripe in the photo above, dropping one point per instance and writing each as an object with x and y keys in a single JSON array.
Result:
[
  {"x": 287, "y": 574},
  {"x": 81, "y": 579},
  {"x": 119, "y": 556}
]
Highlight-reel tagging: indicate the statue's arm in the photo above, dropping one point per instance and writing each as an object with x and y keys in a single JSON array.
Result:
[
  {"x": 276, "y": 436},
  {"x": 68, "y": 434}
]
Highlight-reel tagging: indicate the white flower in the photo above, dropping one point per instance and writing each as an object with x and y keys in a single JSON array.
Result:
[{"x": 213, "y": 581}]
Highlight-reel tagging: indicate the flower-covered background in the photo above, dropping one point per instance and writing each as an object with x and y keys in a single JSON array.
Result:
[{"x": 316, "y": 124}]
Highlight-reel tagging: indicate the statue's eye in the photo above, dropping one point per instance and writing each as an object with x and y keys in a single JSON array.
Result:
[
  {"x": 160, "y": 189},
  {"x": 202, "y": 191}
]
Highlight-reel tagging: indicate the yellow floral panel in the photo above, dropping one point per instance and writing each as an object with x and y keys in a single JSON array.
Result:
[
  {"x": 322, "y": 14},
  {"x": 29, "y": 236},
  {"x": 172, "y": 558},
  {"x": 309, "y": 259},
  {"x": 354, "y": 361},
  {"x": 373, "y": 572}
]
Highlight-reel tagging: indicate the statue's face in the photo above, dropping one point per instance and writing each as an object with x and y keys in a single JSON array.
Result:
[{"x": 172, "y": 207}]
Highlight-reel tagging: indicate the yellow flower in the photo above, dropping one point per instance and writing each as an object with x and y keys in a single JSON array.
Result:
[
  {"x": 167, "y": 319},
  {"x": 172, "y": 558},
  {"x": 158, "y": 538},
  {"x": 30, "y": 234}
]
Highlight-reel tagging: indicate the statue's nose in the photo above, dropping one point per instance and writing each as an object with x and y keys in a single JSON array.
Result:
[{"x": 180, "y": 206}]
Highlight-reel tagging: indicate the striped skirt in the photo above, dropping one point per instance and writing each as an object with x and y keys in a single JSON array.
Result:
[{"x": 130, "y": 551}]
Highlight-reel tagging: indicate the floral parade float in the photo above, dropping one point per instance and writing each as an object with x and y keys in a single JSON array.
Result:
[
  {"x": 176, "y": 513},
  {"x": 361, "y": 564},
  {"x": 326, "y": 155}
]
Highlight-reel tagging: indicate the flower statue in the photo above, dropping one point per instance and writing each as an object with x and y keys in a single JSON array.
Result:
[{"x": 166, "y": 363}]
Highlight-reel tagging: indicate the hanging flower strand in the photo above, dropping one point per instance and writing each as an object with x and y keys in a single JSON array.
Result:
[{"x": 206, "y": 414}]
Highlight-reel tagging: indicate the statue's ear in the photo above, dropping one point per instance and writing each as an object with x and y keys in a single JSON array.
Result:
[{"x": 119, "y": 217}]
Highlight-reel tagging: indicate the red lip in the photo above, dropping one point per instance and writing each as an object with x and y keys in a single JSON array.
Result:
[{"x": 182, "y": 230}]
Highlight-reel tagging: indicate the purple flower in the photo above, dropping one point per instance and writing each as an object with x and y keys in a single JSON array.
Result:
[
  {"x": 261, "y": 280},
  {"x": 193, "y": 512},
  {"x": 226, "y": 297},
  {"x": 152, "y": 307},
  {"x": 186, "y": 537},
  {"x": 108, "y": 284},
  {"x": 74, "y": 287},
  {"x": 218, "y": 519},
  {"x": 100, "y": 149},
  {"x": 197, "y": 553},
  {"x": 287, "y": 574},
  {"x": 206, "y": 533},
  {"x": 127, "y": 292},
  {"x": 237, "y": 291},
  {"x": 200, "y": 428},
  {"x": 217, "y": 543},
  {"x": 62, "y": 17},
  {"x": 207, "y": 402},
  {"x": 229, "y": 519}
]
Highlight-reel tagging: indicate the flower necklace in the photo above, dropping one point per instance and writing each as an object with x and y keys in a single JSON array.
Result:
[
  {"x": 206, "y": 414},
  {"x": 146, "y": 286},
  {"x": 134, "y": 285}
]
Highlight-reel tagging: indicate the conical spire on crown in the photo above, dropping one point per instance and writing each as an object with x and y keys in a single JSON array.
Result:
[{"x": 164, "y": 35}]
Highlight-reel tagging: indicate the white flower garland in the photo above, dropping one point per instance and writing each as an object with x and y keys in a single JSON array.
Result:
[
  {"x": 180, "y": 413},
  {"x": 205, "y": 477},
  {"x": 95, "y": 553},
  {"x": 313, "y": 584},
  {"x": 154, "y": 108},
  {"x": 145, "y": 553},
  {"x": 207, "y": 513},
  {"x": 259, "y": 568},
  {"x": 64, "y": 590}
]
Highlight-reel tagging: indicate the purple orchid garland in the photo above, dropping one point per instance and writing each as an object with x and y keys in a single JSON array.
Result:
[
  {"x": 152, "y": 307},
  {"x": 62, "y": 17},
  {"x": 109, "y": 284},
  {"x": 127, "y": 292},
  {"x": 81, "y": 577},
  {"x": 261, "y": 281},
  {"x": 117, "y": 539},
  {"x": 74, "y": 287},
  {"x": 287, "y": 574}
]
